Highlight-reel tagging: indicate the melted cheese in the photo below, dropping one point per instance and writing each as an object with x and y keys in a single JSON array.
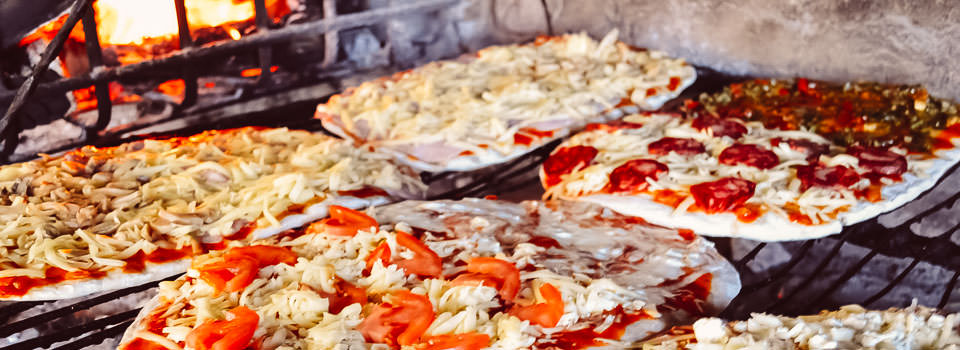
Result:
[
  {"x": 436, "y": 112},
  {"x": 776, "y": 188},
  {"x": 94, "y": 207}
]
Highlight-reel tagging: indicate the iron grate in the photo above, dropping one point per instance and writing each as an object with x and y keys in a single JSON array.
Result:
[{"x": 785, "y": 288}]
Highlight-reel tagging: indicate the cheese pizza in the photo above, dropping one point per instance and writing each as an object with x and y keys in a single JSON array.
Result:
[
  {"x": 850, "y": 327},
  {"x": 468, "y": 274},
  {"x": 505, "y": 101},
  {"x": 104, "y": 218},
  {"x": 798, "y": 164}
]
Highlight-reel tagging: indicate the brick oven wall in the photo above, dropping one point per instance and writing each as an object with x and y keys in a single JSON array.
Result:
[{"x": 898, "y": 41}]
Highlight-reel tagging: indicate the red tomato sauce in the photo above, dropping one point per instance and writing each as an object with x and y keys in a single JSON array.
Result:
[
  {"x": 20, "y": 285},
  {"x": 138, "y": 262},
  {"x": 589, "y": 337},
  {"x": 365, "y": 192},
  {"x": 690, "y": 298}
]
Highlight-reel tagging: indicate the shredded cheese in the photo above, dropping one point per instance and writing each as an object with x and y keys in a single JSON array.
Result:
[
  {"x": 476, "y": 106},
  {"x": 295, "y": 312},
  {"x": 850, "y": 327},
  {"x": 94, "y": 207},
  {"x": 776, "y": 188}
]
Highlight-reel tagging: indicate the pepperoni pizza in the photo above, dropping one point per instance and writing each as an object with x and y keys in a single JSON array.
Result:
[{"x": 748, "y": 162}]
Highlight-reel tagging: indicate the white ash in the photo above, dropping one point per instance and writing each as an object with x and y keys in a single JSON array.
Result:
[{"x": 45, "y": 137}]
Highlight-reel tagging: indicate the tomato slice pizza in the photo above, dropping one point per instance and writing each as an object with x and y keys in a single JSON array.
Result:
[
  {"x": 103, "y": 218},
  {"x": 470, "y": 274},
  {"x": 850, "y": 327},
  {"x": 505, "y": 101},
  {"x": 768, "y": 168}
]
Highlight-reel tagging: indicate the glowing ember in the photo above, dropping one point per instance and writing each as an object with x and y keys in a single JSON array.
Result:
[
  {"x": 252, "y": 72},
  {"x": 130, "y": 22}
]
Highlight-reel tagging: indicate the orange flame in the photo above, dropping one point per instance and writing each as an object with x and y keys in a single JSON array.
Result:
[{"x": 130, "y": 22}]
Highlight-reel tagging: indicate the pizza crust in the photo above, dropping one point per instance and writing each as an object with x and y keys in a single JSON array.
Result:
[
  {"x": 771, "y": 227},
  {"x": 113, "y": 280},
  {"x": 117, "y": 279},
  {"x": 435, "y": 149}
]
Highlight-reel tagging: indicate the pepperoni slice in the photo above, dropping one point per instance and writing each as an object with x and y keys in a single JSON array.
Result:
[
  {"x": 813, "y": 150},
  {"x": 632, "y": 175},
  {"x": 682, "y": 146},
  {"x": 565, "y": 160},
  {"x": 823, "y": 176},
  {"x": 751, "y": 155},
  {"x": 720, "y": 127},
  {"x": 722, "y": 195},
  {"x": 613, "y": 126},
  {"x": 879, "y": 161}
]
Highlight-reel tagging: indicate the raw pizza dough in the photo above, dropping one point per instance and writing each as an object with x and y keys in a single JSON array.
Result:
[
  {"x": 503, "y": 102},
  {"x": 75, "y": 223},
  {"x": 765, "y": 214},
  {"x": 604, "y": 265}
]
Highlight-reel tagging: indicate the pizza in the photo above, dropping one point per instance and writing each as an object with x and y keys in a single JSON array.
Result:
[
  {"x": 505, "y": 101},
  {"x": 467, "y": 274},
  {"x": 95, "y": 219},
  {"x": 850, "y": 327},
  {"x": 766, "y": 160}
]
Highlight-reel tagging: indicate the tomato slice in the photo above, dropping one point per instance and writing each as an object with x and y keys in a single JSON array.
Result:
[
  {"x": 343, "y": 221},
  {"x": 265, "y": 255},
  {"x": 381, "y": 253},
  {"x": 347, "y": 294},
  {"x": 230, "y": 275},
  {"x": 399, "y": 322},
  {"x": 493, "y": 272},
  {"x": 545, "y": 314},
  {"x": 234, "y": 334},
  {"x": 239, "y": 266},
  {"x": 465, "y": 341},
  {"x": 425, "y": 262}
]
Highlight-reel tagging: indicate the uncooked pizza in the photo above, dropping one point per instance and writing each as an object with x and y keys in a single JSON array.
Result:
[
  {"x": 103, "y": 218},
  {"x": 767, "y": 160},
  {"x": 505, "y": 101},
  {"x": 470, "y": 274},
  {"x": 850, "y": 327}
]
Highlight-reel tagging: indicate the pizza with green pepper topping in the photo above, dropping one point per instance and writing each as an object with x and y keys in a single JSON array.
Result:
[
  {"x": 764, "y": 159},
  {"x": 851, "y": 114}
]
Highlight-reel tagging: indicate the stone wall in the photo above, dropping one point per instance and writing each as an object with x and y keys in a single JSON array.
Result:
[{"x": 898, "y": 41}]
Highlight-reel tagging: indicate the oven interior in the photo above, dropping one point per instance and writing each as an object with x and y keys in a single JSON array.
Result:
[{"x": 65, "y": 85}]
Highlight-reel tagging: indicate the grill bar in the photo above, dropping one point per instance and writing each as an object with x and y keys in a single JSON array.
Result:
[
  {"x": 816, "y": 273},
  {"x": 186, "y": 41},
  {"x": 264, "y": 52},
  {"x": 50, "y": 52},
  {"x": 839, "y": 281},
  {"x": 96, "y": 337},
  {"x": 72, "y": 332},
  {"x": 192, "y": 55},
  {"x": 39, "y": 319},
  {"x": 95, "y": 56},
  {"x": 893, "y": 283},
  {"x": 949, "y": 290}
]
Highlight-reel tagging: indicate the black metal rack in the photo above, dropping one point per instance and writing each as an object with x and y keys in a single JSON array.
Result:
[
  {"x": 178, "y": 64},
  {"x": 785, "y": 289}
]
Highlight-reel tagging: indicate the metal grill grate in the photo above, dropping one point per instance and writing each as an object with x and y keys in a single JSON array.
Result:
[{"x": 785, "y": 288}]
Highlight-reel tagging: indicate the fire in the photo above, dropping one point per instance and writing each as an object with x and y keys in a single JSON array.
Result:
[{"x": 130, "y": 22}]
